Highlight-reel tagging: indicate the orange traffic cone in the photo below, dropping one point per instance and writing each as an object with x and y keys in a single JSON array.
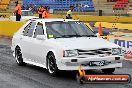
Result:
[{"x": 100, "y": 30}]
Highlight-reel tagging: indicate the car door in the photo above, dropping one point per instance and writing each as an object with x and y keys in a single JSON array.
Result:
[
  {"x": 39, "y": 45},
  {"x": 26, "y": 41}
]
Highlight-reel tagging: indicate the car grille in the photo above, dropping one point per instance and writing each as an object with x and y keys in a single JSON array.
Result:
[{"x": 101, "y": 51}]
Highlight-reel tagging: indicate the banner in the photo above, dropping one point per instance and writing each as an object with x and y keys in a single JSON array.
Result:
[{"x": 126, "y": 46}]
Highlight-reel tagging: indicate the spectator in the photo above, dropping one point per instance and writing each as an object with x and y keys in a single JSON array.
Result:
[
  {"x": 18, "y": 11},
  {"x": 45, "y": 13},
  {"x": 40, "y": 11},
  {"x": 69, "y": 13}
]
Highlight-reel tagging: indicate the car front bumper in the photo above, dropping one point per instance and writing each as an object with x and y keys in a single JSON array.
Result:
[{"x": 73, "y": 63}]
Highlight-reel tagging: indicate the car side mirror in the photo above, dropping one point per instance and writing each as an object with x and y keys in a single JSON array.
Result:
[{"x": 41, "y": 37}]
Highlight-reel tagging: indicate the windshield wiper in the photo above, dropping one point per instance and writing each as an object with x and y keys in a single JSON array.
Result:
[
  {"x": 69, "y": 36},
  {"x": 88, "y": 35},
  {"x": 74, "y": 35},
  {"x": 63, "y": 36}
]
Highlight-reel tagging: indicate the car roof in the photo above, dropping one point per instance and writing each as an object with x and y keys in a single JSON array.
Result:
[{"x": 51, "y": 19}]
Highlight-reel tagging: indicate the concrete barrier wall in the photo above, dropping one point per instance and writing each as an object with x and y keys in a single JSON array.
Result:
[
  {"x": 125, "y": 43},
  {"x": 8, "y": 28},
  {"x": 87, "y": 18},
  {"x": 104, "y": 18},
  {"x": 114, "y": 25}
]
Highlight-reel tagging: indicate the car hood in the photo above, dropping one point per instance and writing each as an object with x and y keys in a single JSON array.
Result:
[{"x": 84, "y": 43}]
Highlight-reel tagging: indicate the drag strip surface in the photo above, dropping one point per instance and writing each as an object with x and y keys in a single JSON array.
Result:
[{"x": 29, "y": 76}]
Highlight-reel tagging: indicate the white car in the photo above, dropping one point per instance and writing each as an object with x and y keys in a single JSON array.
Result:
[
  {"x": 64, "y": 44},
  {"x": 26, "y": 15}
]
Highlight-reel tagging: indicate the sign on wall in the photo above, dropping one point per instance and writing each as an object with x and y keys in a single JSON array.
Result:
[{"x": 126, "y": 45}]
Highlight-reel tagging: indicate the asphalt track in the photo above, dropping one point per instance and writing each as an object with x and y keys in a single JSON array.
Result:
[{"x": 14, "y": 76}]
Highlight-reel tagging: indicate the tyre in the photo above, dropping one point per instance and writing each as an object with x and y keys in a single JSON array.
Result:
[
  {"x": 51, "y": 65},
  {"x": 109, "y": 70},
  {"x": 18, "y": 56}
]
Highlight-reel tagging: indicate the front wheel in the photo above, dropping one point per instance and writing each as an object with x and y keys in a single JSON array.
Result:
[
  {"x": 51, "y": 65},
  {"x": 108, "y": 71},
  {"x": 18, "y": 56}
]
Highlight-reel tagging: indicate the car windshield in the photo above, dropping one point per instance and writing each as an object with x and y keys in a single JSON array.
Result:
[
  {"x": 27, "y": 13},
  {"x": 68, "y": 29}
]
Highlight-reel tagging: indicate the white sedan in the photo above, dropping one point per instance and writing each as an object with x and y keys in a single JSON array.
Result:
[
  {"x": 64, "y": 44},
  {"x": 26, "y": 15}
]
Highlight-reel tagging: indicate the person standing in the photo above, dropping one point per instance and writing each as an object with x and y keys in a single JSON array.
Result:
[
  {"x": 40, "y": 11},
  {"x": 18, "y": 11},
  {"x": 45, "y": 13},
  {"x": 69, "y": 13}
]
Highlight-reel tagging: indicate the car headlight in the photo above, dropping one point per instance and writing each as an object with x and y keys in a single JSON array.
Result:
[
  {"x": 116, "y": 51},
  {"x": 70, "y": 53}
]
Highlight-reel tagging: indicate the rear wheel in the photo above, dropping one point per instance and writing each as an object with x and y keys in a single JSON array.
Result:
[
  {"x": 51, "y": 65},
  {"x": 109, "y": 70},
  {"x": 18, "y": 56}
]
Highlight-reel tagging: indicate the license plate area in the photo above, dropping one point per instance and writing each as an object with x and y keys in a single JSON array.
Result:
[{"x": 97, "y": 63}]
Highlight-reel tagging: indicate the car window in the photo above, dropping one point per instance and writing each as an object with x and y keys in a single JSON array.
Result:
[
  {"x": 39, "y": 30},
  {"x": 26, "y": 29},
  {"x": 29, "y": 29},
  {"x": 68, "y": 29}
]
